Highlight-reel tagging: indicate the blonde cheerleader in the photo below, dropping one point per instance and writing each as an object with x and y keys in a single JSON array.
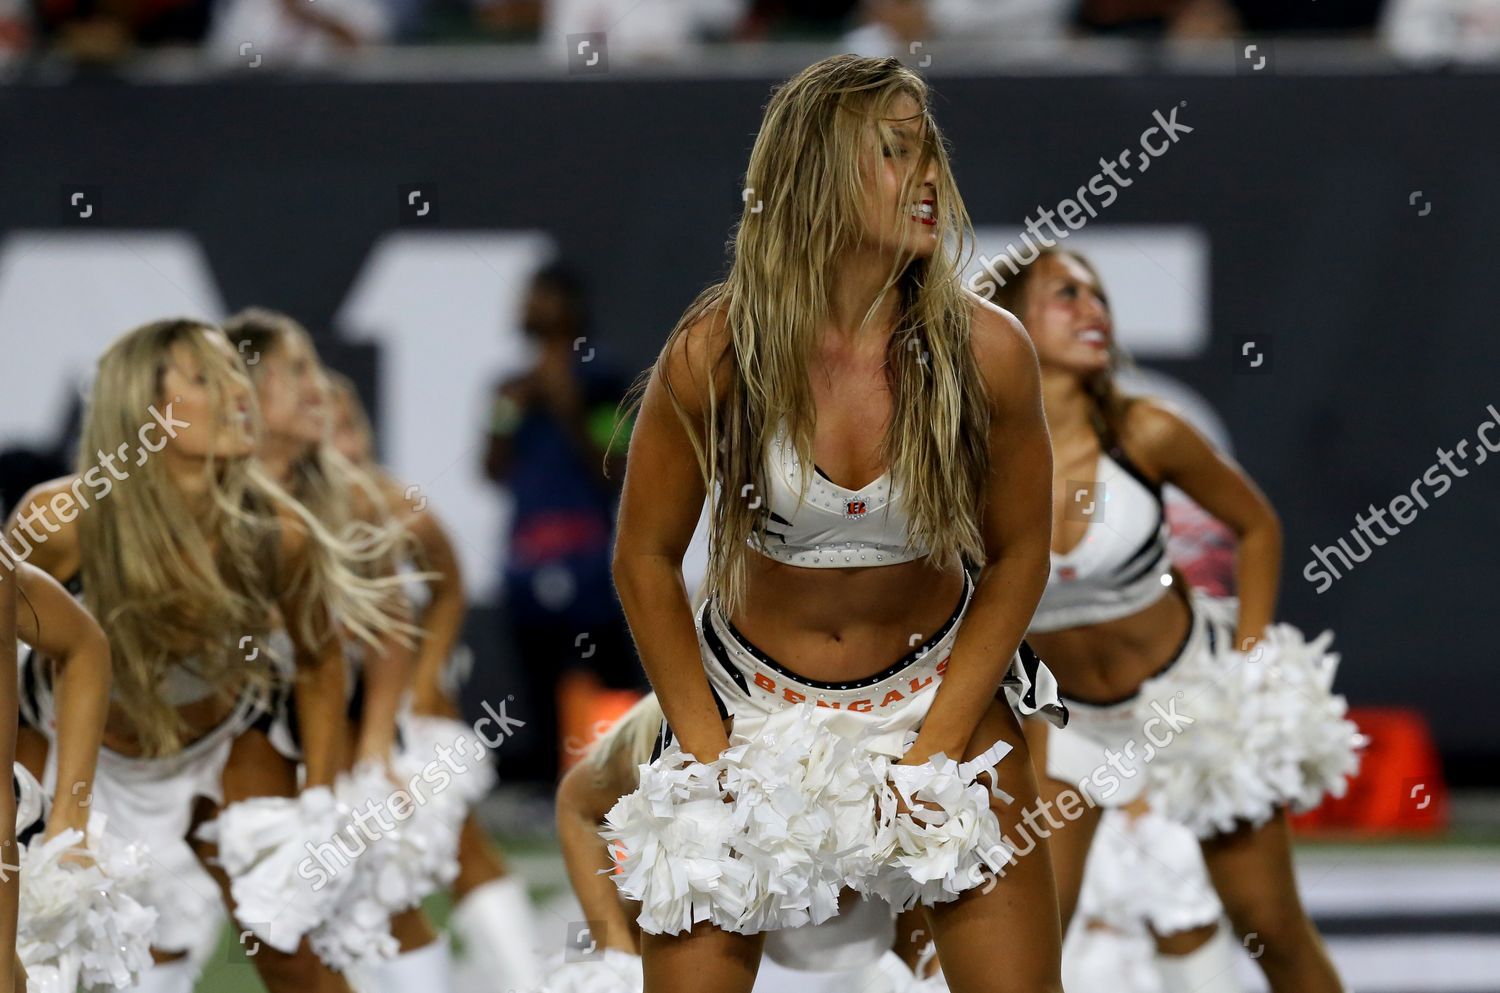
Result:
[
  {"x": 863, "y": 425},
  {"x": 492, "y": 913},
  {"x": 379, "y": 931},
  {"x": 188, "y": 554}
]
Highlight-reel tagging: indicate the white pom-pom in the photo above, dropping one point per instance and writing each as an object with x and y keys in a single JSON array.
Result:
[
  {"x": 800, "y": 822},
  {"x": 408, "y": 857},
  {"x": 266, "y": 845},
  {"x": 402, "y": 846},
  {"x": 809, "y": 812},
  {"x": 426, "y": 739},
  {"x": 1267, "y": 729},
  {"x": 932, "y": 856},
  {"x": 82, "y": 924},
  {"x": 613, "y": 971},
  {"x": 1147, "y": 869}
]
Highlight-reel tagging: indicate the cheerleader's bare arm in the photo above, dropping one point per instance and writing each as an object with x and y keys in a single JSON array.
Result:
[
  {"x": 320, "y": 677},
  {"x": 58, "y": 627},
  {"x": 584, "y": 797},
  {"x": 1178, "y": 454},
  {"x": 659, "y": 510},
  {"x": 443, "y": 620}
]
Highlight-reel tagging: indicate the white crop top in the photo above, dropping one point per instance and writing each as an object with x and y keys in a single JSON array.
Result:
[
  {"x": 1120, "y": 566},
  {"x": 834, "y": 527}
]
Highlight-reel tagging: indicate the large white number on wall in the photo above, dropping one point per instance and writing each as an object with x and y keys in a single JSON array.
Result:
[
  {"x": 66, "y": 295},
  {"x": 444, "y": 308}
]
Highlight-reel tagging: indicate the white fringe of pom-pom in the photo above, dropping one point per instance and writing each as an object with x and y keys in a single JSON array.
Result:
[
  {"x": 397, "y": 868},
  {"x": 265, "y": 845},
  {"x": 403, "y": 866},
  {"x": 82, "y": 926},
  {"x": 613, "y": 971},
  {"x": 932, "y": 856},
  {"x": 421, "y": 737},
  {"x": 1268, "y": 730},
  {"x": 766, "y": 836}
]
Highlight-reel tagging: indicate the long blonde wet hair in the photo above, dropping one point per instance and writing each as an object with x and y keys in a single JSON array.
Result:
[
  {"x": 172, "y": 587},
  {"x": 805, "y": 176}
]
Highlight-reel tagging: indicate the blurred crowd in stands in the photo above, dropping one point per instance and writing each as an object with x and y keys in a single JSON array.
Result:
[{"x": 310, "y": 32}]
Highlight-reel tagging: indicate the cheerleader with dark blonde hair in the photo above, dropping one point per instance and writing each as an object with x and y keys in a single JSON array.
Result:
[
  {"x": 378, "y": 932},
  {"x": 190, "y": 556},
  {"x": 492, "y": 912},
  {"x": 862, "y": 427},
  {"x": 1219, "y": 716}
]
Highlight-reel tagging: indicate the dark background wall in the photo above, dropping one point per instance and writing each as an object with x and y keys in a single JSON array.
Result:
[{"x": 1381, "y": 319}]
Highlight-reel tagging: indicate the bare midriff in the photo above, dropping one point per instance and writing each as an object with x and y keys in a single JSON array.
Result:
[
  {"x": 1108, "y": 661},
  {"x": 834, "y": 625}
]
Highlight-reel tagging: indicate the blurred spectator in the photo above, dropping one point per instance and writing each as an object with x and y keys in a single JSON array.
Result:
[
  {"x": 549, "y": 434},
  {"x": 1325, "y": 17},
  {"x": 1440, "y": 30},
  {"x": 889, "y": 28},
  {"x": 15, "y": 26},
  {"x": 1154, "y": 18},
  {"x": 1006, "y": 20},
  {"x": 781, "y": 20},
  {"x": 636, "y": 30},
  {"x": 297, "y": 32},
  {"x": 107, "y": 30}
]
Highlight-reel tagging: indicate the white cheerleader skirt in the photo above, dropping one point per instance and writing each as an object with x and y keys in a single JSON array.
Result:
[
  {"x": 1146, "y": 871},
  {"x": 1217, "y": 737},
  {"x": 304, "y": 867},
  {"x": 803, "y": 804},
  {"x": 149, "y": 802}
]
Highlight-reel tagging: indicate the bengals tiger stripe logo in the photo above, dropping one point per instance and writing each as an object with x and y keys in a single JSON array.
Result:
[{"x": 855, "y": 509}]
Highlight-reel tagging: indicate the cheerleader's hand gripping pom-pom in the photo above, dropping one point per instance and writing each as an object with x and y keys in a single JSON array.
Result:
[
  {"x": 82, "y": 926},
  {"x": 797, "y": 825},
  {"x": 928, "y": 856},
  {"x": 1268, "y": 731},
  {"x": 281, "y": 890}
]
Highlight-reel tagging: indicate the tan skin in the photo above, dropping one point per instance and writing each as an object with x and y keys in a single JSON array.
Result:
[
  {"x": 62, "y": 631},
  {"x": 584, "y": 796},
  {"x": 480, "y": 861},
  {"x": 255, "y": 768},
  {"x": 1065, "y": 312},
  {"x": 832, "y": 624}
]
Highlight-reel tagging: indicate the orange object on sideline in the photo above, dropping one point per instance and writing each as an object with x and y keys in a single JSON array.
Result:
[
  {"x": 1400, "y": 786},
  {"x": 585, "y": 710}
]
